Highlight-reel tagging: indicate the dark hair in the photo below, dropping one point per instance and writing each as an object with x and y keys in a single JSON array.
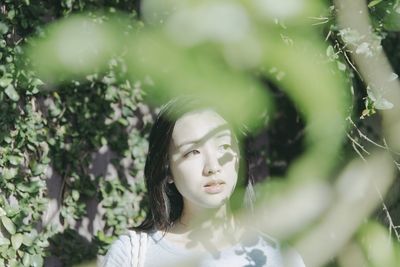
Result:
[{"x": 164, "y": 200}]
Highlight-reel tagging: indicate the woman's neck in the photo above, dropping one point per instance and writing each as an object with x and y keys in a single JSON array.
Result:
[
  {"x": 205, "y": 227},
  {"x": 193, "y": 218}
]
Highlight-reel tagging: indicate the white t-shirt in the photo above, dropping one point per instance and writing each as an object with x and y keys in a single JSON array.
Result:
[{"x": 263, "y": 251}]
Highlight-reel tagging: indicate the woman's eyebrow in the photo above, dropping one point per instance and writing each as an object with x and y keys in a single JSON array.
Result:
[
  {"x": 223, "y": 134},
  {"x": 190, "y": 142},
  {"x": 219, "y": 131},
  {"x": 198, "y": 141}
]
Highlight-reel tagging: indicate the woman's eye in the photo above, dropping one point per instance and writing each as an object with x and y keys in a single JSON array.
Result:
[
  {"x": 225, "y": 146},
  {"x": 191, "y": 153}
]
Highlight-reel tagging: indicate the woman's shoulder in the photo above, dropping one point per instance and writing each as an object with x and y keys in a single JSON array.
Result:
[
  {"x": 121, "y": 250},
  {"x": 119, "y": 253}
]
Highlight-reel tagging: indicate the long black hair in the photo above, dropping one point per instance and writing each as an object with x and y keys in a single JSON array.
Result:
[{"x": 164, "y": 200}]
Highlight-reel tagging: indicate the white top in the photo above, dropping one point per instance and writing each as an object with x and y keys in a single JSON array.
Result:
[{"x": 261, "y": 252}]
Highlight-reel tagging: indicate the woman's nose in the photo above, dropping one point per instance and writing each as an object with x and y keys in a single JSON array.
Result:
[{"x": 211, "y": 163}]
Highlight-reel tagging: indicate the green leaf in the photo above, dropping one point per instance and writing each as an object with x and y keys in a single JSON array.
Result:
[
  {"x": 391, "y": 19},
  {"x": 37, "y": 82},
  {"x": 15, "y": 160},
  {"x": 20, "y": 253},
  {"x": 26, "y": 260},
  {"x": 9, "y": 173},
  {"x": 330, "y": 52},
  {"x": 11, "y": 14},
  {"x": 38, "y": 169},
  {"x": 10, "y": 186},
  {"x": 3, "y": 28},
  {"x": 16, "y": 240},
  {"x": 12, "y": 262},
  {"x": 13, "y": 210},
  {"x": 75, "y": 195},
  {"x": 102, "y": 237},
  {"x": 30, "y": 188},
  {"x": 5, "y": 81},
  {"x": 12, "y": 93},
  {"x": 29, "y": 238},
  {"x": 341, "y": 66},
  {"x": 4, "y": 241},
  {"x": 36, "y": 261},
  {"x": 8, "y": 224},
  {"x": 374, "y": 3}
]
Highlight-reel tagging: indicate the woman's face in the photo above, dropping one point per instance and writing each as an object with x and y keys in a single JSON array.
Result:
[{"x": 204, "y": 159}]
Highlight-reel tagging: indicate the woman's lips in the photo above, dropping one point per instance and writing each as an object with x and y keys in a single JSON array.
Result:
[{"x": 214, "y": 187}]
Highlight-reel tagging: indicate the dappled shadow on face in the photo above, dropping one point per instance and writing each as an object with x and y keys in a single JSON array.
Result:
[
  {"x": 203, "y": 236},
  {"x": 227, "y": 157}
]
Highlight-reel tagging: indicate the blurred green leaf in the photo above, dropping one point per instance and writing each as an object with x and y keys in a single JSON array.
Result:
[
  {"x": 374, "y": 3},
  {"x": 36, "y": 260},
  {"x": 9, "y": 173},
  {"x": 11, "y": 92},
  {"x": 3, "y": 28},
  {"x": 16, "y": 240},
  {"x": 8, "y": 224},
  {"x": 4, "y": 241}
]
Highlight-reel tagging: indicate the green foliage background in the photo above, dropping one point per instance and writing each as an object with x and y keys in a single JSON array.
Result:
[
  {"x": 58, "y": 128},
  {"x": 61, "y": 128}
]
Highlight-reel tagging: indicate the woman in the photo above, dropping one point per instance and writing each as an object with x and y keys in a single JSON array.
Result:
[{"x": 192, "y": 168}]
